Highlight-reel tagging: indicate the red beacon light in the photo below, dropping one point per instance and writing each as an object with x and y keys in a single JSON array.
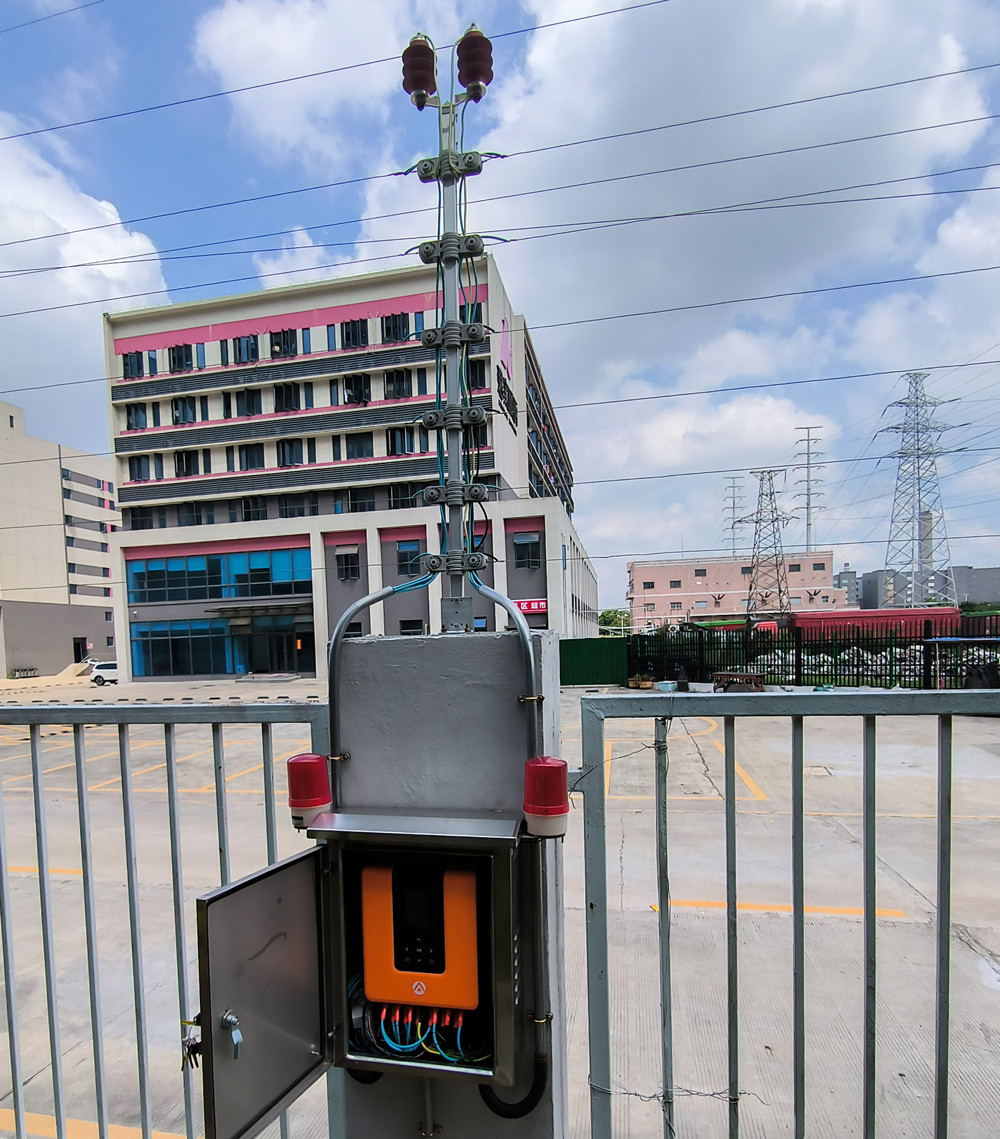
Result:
[
  {"x": 308, "y": 788},
  {"x": 419, "y": 80},
  {"x": 475, "y": 63},
  {"x": 546, "y": 797}
]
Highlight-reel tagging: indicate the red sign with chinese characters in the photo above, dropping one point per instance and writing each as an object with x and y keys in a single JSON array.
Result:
[{"x": 536, "y": 605}]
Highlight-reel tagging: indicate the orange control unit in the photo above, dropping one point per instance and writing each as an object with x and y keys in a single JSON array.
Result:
[{"x": 419, "y": 936}]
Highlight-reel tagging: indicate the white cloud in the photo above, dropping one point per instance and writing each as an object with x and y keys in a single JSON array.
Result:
[{"x": 37, "y": 198}]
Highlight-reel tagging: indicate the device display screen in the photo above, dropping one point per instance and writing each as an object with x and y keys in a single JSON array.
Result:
[{"x": 418, "y": 919}]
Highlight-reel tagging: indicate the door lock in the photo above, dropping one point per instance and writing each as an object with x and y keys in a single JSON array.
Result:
[{"x": 231, "y": 1022}]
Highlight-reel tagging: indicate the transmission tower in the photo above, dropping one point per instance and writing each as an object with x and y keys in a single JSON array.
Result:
[
  {"x": 768, "y": 580},
  {"x": 734, "y": 500},
  {"x": 917, "y": 555},
  {"x": 810, "y": 494}
]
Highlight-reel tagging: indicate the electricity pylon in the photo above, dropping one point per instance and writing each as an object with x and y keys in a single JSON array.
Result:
[
  {"x": 768, "y": 579},
  {"x": 917, "y": 551},
  {"x": 810, "y": 494}
]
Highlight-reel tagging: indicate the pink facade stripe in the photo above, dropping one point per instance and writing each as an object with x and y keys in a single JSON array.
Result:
[
  {"x": 345, "y": 538},
  {"x": 523, "y": 525},
  {"x": 236, "y": 546},
  {"x": 307, "y": 318},
  {"x": 403, "y": 534}
]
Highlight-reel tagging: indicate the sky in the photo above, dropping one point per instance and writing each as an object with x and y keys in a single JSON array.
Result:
[{"x": 805, "y": 198}]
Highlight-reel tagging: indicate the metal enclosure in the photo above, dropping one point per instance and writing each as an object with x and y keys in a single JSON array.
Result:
[{"x": 278, "y": 948}]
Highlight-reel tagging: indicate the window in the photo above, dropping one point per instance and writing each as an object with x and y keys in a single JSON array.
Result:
[
  {"x": 156, "y": 414},
  {"x": 331, "y": 338},
  {"x": 199, "y": 355},
  {"x": 700, "y": 573},
  {"x": 286, "y": 397},
  {"x": 359, "y": 445},
  {"x": 297, "y": 505},
  {"x": 109, "y": 641},
  {"x": 477, "y": 374},
  {"x": 135, "y": 416},
  {"x": 284, "y": 343},
  {"x": 139, "y": 518},
  {"x": 198, "y": 577},
  {"x": 151, "y": 361},
  {"x": 354, "y": 629},
  {"x": 157, "y": 465},
  {"x": 402, "y": 495},
  {"x": 701, "y": 605},
  {"x": 310, "y": 450},
  {"x": 203, "y": 403},
  {"x": 289, "y": 452},
  {"x": 398, "y": 441},
  {"x": 253, "y": 508},
  {"x": 649, "y": 585},
  {"x": 527, "y": 551},
  {"x": 421, "y": 381},
  {"x": 357, "y": 389},
  {"x": 650, "y": 607},
  {"x": 361, "y": 499},
  {"x": 306, "y": 341},
  {"x": 411, "y": 628},
  {"x": 180, "y": 358},
  {"x": 348, "y": 565},
  {"x": 794, "y": 567},
  {"x": 307, "y": 394},
  {"x": 675, "y": 584},
  {"x": 673, "y": 605},
  {"x": 183, "y": 409},
  {"x": 206, "y": 461},
  {"x": 185, "y": 463},
  {"x": 354, "y": 334},
  {"x": 131, "y": 365},
  {"x": 825, "y": 597},
  {"x": 819, "y": 565},
  {"x": 396, "y": 328},
  {"x": 408, "y": 558},
  {"x": 336, "y": 448},
  {"x": 248, "y": 402},
  {"x": 745, "y": 570},
  {"x": 251, "y": 456},
  {"x": 223, "y": 352},
  {"x": 108, "y": 615},
  {"x": 397, "y": 384},
  {"x": 189, "y": 514},
  {"x": 245, "y": 349},
  {"x": 138, "y": 468}
]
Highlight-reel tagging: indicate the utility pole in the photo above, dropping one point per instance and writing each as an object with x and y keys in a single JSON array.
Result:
[
  {"x": 768, "y": 579},
  {"x": 452, "y": 338},
  {"x": 917, "y": 549},
  {"x": 810, "y": 493},
  {"x": 734, "y": 500}
]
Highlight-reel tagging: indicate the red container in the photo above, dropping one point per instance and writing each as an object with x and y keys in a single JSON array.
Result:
[
  {"x": 546, "y": 797},
  {"x": 308, "y": 787}
]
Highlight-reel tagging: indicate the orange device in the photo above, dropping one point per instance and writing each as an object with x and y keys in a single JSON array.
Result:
[{"x": 418, "y": 927}]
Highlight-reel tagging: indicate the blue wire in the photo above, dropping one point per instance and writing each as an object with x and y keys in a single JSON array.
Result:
[
  {"x": 458, "y": 1042},
  {"x": 434, "y": 1039},
  {"x": 407, "y": 1033}
]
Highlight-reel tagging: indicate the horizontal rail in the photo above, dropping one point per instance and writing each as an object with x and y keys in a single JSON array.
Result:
[{"x": 56, "y": 713}]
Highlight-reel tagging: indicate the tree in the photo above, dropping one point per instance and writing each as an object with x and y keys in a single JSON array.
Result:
[{"x": 614, "y": 622}]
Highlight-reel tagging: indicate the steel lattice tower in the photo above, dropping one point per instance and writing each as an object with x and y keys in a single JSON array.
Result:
[
  {"x": 768, "y": 579},
  {"x": 917, "y": 551}
]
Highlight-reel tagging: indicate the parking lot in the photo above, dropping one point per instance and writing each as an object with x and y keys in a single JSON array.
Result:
[{"x": 906, "y": 807}]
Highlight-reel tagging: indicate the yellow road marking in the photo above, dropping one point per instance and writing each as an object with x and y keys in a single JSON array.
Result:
[
  {"x": 45, "y": 1127},
  {"x": 752, "y": 787},
  {"x": 34, "y": 870},
  {"x": 780, "y": 908}
]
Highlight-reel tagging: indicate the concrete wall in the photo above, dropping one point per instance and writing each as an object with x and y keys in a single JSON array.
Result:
[
  {"x": 434, "y": 723},
  {"x": 38, "y": 635}
]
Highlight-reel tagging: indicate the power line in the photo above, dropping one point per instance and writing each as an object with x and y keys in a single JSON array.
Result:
[
  {"x": 265, "y": 84},
  {"x": 50, "y": 16}
]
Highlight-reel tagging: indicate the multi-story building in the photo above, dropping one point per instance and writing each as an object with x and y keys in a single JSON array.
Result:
[
  {"x": 56, "y": 582},
  {"x": 691, "y": 589},
  {"x": 271, "y": 463},
  {"x": 849, "y": 581}
]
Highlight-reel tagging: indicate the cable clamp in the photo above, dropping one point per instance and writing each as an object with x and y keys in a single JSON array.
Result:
[
  {"x": 526, "y": 699},
  {"x": 453, "y": 333},
  {"x": 546, "y": 1019},
  {"x": 451, "y": 164},
  {"x": 451, "y": 247}
]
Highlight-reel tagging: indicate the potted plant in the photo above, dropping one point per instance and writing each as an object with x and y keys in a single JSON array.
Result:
[{"x": 643, "y": 680}]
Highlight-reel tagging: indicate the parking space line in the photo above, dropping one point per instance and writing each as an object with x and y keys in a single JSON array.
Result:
[
  {"x": 44, "y": 1126},
  {"x": 34, "y": 870},
  {"x": 752, "y": 787}
]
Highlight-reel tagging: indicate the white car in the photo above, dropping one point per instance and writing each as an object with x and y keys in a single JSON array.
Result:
[{"x": 104, "y": 672}]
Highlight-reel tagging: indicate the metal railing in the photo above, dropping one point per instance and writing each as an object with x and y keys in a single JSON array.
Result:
[
  {"x": 730, "y": 709},
  {"x": 125, "y": 816}
]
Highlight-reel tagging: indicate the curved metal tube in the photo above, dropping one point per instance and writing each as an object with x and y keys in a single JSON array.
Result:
[
  {"x": 524, "y": 635},
  {"x": 332, "y": 664}
]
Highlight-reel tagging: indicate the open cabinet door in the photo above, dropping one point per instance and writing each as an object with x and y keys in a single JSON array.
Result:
[{"x": 260, "y": 961}]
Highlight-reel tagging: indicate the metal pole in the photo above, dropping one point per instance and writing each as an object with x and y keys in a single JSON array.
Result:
[
  {"x": 942, "y": 1007},
  {"x": 798, "y": 930},
  {"x": 663, "y": 882},
  {"x": 732, "y": 953},
  {"x": 868, "y": 844},
  {"x": 10, "y": 996}
]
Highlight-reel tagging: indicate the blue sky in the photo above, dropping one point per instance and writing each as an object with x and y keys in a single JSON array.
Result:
[{"x": 656, "y": 66}]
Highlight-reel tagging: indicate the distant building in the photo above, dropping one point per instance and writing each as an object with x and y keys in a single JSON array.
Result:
[
  {"x": 56, "y": 585},
  {"x": 977, "y": 585},
  {"x": 691, "y": 589},
  {"x": 884, "y": 589},
  {"x": 272, "y": 461},
  {"x": 850, "y": 583}
]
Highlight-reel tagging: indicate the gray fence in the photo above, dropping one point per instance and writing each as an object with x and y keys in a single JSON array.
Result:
[
  {"x": 731, "y": 709},
  {"x": 137, "y": 825}
]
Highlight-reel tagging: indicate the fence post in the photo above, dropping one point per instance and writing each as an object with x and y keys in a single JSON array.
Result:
[
  {"x": 928, "y": 654},
  {"x": 797, "y": 653},
  {"x": 701, "y": 655}
]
